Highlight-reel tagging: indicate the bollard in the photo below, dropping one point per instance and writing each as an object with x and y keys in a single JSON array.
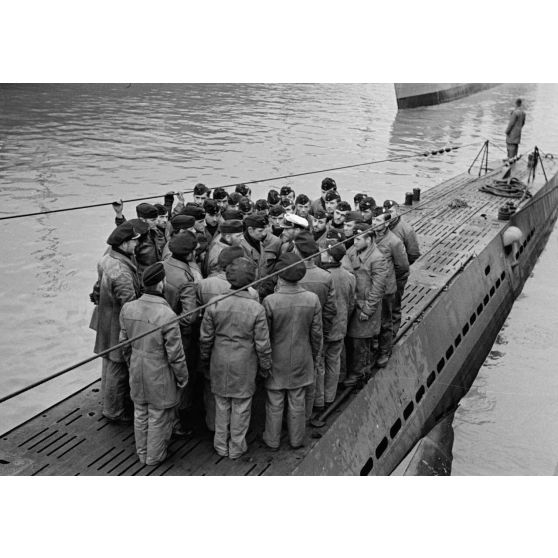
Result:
[
  {"x": 409, "y": 198},
  {"x": 416, "y": 194}
]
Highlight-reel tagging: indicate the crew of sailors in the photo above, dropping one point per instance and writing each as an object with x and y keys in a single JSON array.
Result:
[{"x": 317, "y": 323}]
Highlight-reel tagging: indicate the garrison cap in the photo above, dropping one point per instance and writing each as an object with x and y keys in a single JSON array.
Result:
[
  {"x": 302, "y": 199},
  {"x": 332, "y": 195},
  {"x": 286, "y": 190},
  {"x": 360, "y": 227},
  {"x": 122, "y": 233},
  {"x": 234, "y": 198},
  {"x": 153, "y": 274},
  {"x": 140, "y": 226},
  {"x": 344, "y": 206},
  {"x": 359, "y": 197},
  {"x": 200, "y": 189},
  {"x": 306, "y": 244},
  {"x": 353, "y": 216},
  {"x": 273, "y": 197},
  {"x": 241, "y": 272},
  {"x": 276, "y": 211},
  {"x": 328, "y": 184},
  {"x": 256, "y": 221},
  {"x": 183, "y": 244},
  {"x": 211, "y": 207},
  {"x": 195, "y": 211},
  {"x": 337, "y": 251},
  {"x": 262, "y": 205},
  {"x": 245, "y": 205},
  {"x": 295, "y": 273},
  {"x": 320, "y": 214},
  {"x": 367, "y": 203},
  {"x": 242, "y": 189},
  {"x": 179, "y": 222},
  {"x": 220, "y": 194},
  {"x": 161, "y": 209},
  {"x": 228, "y": 255},
  {"x": 231, "y": 226},
  {"x": 231, "y": 213},
  {"x": 147, "y": 211}
]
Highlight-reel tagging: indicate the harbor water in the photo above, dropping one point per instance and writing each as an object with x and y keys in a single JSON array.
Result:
[{"x": 74, "y": 145}]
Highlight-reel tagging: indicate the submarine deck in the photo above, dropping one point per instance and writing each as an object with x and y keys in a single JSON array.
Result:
[{"x": 73, "y": 438}]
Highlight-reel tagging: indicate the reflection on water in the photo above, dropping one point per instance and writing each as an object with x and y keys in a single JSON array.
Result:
[{"x": 68, "y": 145}]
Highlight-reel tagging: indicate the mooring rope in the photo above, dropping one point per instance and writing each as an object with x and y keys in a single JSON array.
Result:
[{"x": 433, "y": 152}]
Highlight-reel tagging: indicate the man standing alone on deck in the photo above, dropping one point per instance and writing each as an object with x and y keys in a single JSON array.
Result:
[{"x": 513, "y": 130}]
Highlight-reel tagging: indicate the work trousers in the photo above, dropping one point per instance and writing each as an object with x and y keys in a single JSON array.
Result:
[
  {"x": 512, "y": 149},
  {"x": 188, "y": 398},
  {"x": 232, "y": 419},
  {"x": 295, "y": 416},
  {"x": 396, "y": 310},
  {"x": 115, "y": 389},
  {"x": 332, "y": 364},
  {"x": 153, "y": 430},
  {"x": 385, "y": 339},
  {"x": 209, "y": 404},
  {"x": 314, "y": 395},
  {"x": 358, "y": 355}
]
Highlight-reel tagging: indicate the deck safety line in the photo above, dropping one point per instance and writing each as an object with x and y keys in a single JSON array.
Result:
[
  {"x": 190, "y": 312},
  {"x": 260, "y": 180}
]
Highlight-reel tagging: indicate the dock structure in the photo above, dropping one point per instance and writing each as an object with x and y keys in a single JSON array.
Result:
[{"x": 459, "y": 293}]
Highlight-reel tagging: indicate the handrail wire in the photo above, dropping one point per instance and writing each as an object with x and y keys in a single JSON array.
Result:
[
  {"x": 179, "y": 317},
  {"x": 422, "y": 153}
]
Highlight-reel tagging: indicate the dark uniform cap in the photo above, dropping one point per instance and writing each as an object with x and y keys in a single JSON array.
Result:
[
  {"x": 335, "y": 234},
  {"x": 328, "y": 183},
  {"x": 286, "y": 203},
  {"x": 122, "y": 233},
  {"x": 262, "y": 205},
  {"x": 360, "y": 227},
  {"x": 286, "y": 190},
  {"x": 388, "y": 204},
  {"x": 179, "y": 222},
  {"x": 220, "y": 194},
  {"x": 241, "y": 272},
  {"x": 242, "y": 189},
  {"x": 161, "y": 209},
  {"x": 245, "y": 205},
  {"x": 231, "y": 226},
  {"x": 153, "y": 274},
  {"x": 302, "y": 199},
  {"x": 211, "y": 207},
  {"x": 183, "y": 244},
  {"x": 353, "y": 216},
  {"x": 344, "y": 206},
  {"x": 200, "y": 189},
  {"x": 332, "y": 195},
  {"x": 367, "y": 203},
  {"x": 231, "y": 213},
  {"x": 273, "y": 197},
  {"x": 359, "y": 197},
  {"x": 255, "y": 221},
  {"x": 147, "y": 211},
  {"x": 320, "y": 214},
  {"x": 195, "y": 211},
  {"x": 306, "y": 244},
  {"x": 228, "y": 255},
  {"x": 295, "y": 273},
  {"x": 140, "y": 226},
  {"x": 276, "y": 211},
  {"x": 234, "y": 198},
  {"x": 337, "y": 251}
]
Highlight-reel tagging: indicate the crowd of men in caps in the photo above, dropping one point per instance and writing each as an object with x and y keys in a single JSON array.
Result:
[{"x": 326, "y": 317}]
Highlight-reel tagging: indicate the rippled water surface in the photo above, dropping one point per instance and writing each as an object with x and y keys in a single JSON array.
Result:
[{"x": 70, "y": 145}]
